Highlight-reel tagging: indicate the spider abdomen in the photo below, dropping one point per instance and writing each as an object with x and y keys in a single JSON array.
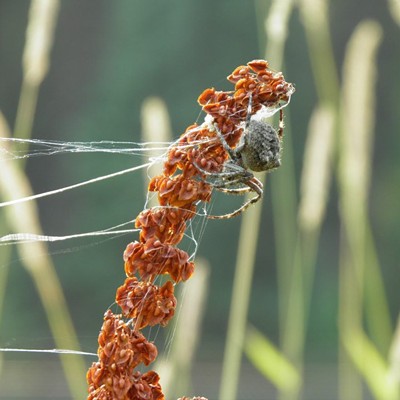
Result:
[{"x": 262, "y": 147}]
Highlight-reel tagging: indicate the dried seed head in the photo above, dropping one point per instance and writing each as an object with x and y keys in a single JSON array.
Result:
[{"x": 180, "y": 188}]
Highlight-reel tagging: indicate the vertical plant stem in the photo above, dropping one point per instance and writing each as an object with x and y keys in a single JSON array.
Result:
[
  {"x": 13, "y": 184},
  {"x": 357, "y": 121},
  {"x": 394, "y": 355},
  {"x": 314, "y": 193},
  {"x": 39, "y": 39},
  {"x": 156, "y": 127},
  {"x": 276, "y": 27},
  {"x": 314, "y": 190},
  {"x": 296, "y": 280},
  {"x": 394, "y": 8},
  {"x": 5, "y": 252},
  {"x": 240, "y": 302},
  {"x": 283, "y": 196},
  {"x": 26, "y": 112},
  {"x": 377, "y": 310},
  {"x": 315, "y": 18},
  {"x": 35, "y": 258}
]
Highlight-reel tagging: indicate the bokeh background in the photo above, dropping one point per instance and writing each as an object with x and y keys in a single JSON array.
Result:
[{"x": 324, "y": 292}]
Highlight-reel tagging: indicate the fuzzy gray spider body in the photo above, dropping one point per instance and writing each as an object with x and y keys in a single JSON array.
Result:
[
  {"x": 260, "y": 147},
  {"x": 258, "y": 150}
]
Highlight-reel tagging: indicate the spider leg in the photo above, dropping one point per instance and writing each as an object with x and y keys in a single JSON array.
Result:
[
  {"x": 249, "y": 109},
  {"x": 235, "y": 173},
  {"x": 247, "y": 188},
  {"x": 232, "y": 171},
  {"x": 241, "y": 176},
  {"x": 255, "y": 186},
  {"x": 238, "y": 191},
  {"x": 281, "y": 124},
  {"x": 232, "y": 153}
]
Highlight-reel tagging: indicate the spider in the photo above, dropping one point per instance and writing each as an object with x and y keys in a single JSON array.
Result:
[{"x": 258, "y": 150}]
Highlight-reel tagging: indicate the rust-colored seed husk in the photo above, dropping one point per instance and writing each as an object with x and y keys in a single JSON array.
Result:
[{"x": 180, "y": 188}]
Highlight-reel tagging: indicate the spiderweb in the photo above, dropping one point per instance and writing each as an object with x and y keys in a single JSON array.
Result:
[
  {"x": 142, "y": 155},
  {"x": 13, "y": 149},
  {"x": 10, "y": 152}
]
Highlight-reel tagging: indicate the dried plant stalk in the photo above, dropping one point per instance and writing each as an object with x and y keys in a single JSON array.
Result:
[{"x": 183, "y": 185}]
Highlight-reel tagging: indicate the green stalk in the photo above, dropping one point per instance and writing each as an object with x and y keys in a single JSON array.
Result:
[
  {"x": 35, "y": 61},
  {"x": 278, "y": 18},
  {"x": 297, "y": 270},
  {"x": 5, "y": 253},
  {"x": 240, "y": 302},
  {"x": 156, "y": 127},
  {"x": 14, "y": 184},
  {"x": 315, "y": 17},
  {"x": 357, "y": 121},
  {"x": 394, "y": 8},
  {"x": 314, "y": 191},
  {"x": 35, "y": 258},
  {"x": 377, "y": 310}
]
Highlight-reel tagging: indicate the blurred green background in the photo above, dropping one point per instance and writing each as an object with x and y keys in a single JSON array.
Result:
[{"x": 106, "y": 59}]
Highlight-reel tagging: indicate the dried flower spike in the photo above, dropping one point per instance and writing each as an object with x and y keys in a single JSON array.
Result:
[{"x": 220, "y": 154}]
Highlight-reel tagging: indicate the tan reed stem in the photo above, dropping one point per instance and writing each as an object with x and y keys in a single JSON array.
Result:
[
  {"x": 276, "y": 29},
  {"x": 35, "y": 258},
  {"x": 394, "y": 8},
  {"x": 296, "y": 270},
  {"x": 357, "y": 122},
  {"x": 5, "y": 252},
  {"x": 314, "y": 191},
  {"x": 156, "y": 127},
  {"x": 39, "y": 39},
  {"x": 315, "y": 17}
]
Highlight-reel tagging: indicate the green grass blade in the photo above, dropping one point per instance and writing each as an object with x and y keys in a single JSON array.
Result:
[
  {"x": 36, "y": 260},
  {"x": 267, "y": 358},
  {"x": 372, "y": 366},
  {"x": 357, "y": 121},
  {"x": 279, "y": 13}
]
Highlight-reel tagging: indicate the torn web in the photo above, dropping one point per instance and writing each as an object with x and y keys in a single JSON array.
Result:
[{"x": 10, "y": 152}]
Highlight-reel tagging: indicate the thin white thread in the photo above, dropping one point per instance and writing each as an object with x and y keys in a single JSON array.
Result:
[
  {"x": 76, "y": 185},
  {"x": 49, "y": 148},
  {"x": 53, "y": 147},
  {"x": 14, "y": 238},
  {"x": 53, "y": 351}
]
